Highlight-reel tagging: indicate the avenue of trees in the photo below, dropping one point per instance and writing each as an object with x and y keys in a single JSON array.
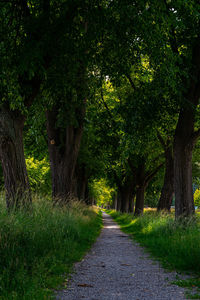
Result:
[{"x": 105, "y": 91}]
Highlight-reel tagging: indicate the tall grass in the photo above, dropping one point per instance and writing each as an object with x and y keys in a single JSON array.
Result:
[
  {"x": 176, "y": 244},
  {"x": 38, "y": 249}
]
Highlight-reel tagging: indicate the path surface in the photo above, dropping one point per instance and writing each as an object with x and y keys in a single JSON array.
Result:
[{"x": 117, "y": 269}]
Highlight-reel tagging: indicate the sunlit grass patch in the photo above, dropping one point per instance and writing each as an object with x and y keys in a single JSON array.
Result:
[{"x": 176, "y": 244}]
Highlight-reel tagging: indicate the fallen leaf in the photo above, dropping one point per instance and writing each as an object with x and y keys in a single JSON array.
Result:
[{"x": 85, "y": 285}]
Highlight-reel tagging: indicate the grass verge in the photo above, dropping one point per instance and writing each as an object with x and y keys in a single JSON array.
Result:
[
  {"x": 175, "y": 244},
  {"x": 37, "y": 250}
]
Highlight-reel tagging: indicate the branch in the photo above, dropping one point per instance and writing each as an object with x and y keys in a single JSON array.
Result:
[
  {"x": 131, "y": 81},
  {"x": 105, "y": 104},
  {"x": 157, "y": 157},
  {"x": 161, "y": 140},
  {"x": 152, "y": 174}
]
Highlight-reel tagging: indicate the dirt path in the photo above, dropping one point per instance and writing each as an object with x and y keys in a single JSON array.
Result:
[{"x": 115, "y": 268}]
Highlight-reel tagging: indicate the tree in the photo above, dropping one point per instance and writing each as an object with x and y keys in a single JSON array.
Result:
[
  {"x": 25, "y": 55},
  {"x": 182, "y": 40},
  {"x": 29, "y": 33},
  {"x": 167, "y": 191}
]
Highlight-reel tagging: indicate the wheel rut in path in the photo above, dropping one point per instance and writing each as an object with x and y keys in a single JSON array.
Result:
[{"x": 117, "y": 268}]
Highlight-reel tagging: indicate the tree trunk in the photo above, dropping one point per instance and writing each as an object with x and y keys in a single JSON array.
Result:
[
  {"x": 167, "y": 192},
  {"x": 82, "y": 188},
  {"x": 12, "y": 159},
  {"x": 183, "y": 147},
  {"x": 131, "y": 203},
  {"x": 143, "y": 179},
  {"x": 140, "y": 188},
  {"x": 88, "y": 199},
  {"x": 125, "y": 194},
  {"x": 115, "y": 202},
  {"x": 125, "y": 197},
  {"x": 139, "y": 205},
  {"x": 81, "y": 178},
  {"x": 185, "y": 138},
  {"x": 63, "y": 152},
  {"x": 118, "y": 201}
]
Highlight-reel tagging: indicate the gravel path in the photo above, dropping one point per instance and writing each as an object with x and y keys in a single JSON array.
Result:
[{"x": 115, "y": 268}]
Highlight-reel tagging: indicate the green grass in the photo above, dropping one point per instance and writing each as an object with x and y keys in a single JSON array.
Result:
[
  {"x": 175, "y": 244},
  {"x": 38, "y": 249}
]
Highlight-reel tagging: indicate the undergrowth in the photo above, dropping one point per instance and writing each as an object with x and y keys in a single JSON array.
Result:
[{"x": 38, "y": 249}]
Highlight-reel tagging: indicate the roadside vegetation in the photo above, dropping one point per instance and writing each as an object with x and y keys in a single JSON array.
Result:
[
  {"x": 175, "y": 243},
  {"x": 38, "y": 248}
]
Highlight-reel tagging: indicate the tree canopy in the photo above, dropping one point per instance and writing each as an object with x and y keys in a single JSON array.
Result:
[{"x": 102, "y": 92}]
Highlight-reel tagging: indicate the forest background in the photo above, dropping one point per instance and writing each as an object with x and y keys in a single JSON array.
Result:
[{"x": 108, "y": 93}]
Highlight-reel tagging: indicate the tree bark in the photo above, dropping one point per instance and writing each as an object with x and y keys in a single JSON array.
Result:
[
  {"x": 63, "y": 153},
  {"x": 185, "y": 138},
  {"x": 12, "y": 158},
  {"x": 143, "y": 179},
  {"x": 183, "y": 147},
  {"x": 139, "y": 205},
  {"x": 167, "y": 191},
  {"x": 126, "y": 190},
  {"x": 82, "y": 188},
  {"x": 115, "y": 202},
  {"x": 88, "y": 199},
  {"x": 140, "y": 188},
  {"x": 125, "y": 197},
  {"x": 131, "y": 203},
  {"x": 81, "y": 178},
  {"x": 118, "y": 208}
]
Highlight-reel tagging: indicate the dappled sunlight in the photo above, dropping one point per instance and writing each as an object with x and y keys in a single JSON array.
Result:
[
  {"x": 111, "y": 227},
  {"x": 147, "y": 229}
]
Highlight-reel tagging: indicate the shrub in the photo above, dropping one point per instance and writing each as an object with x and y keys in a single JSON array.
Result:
[
  {"x": 39, "y": 175},
  {"x": 197, "y": 198}
]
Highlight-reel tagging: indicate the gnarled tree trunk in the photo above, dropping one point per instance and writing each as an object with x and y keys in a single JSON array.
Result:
[
  {"x": 185, "y": 139},
  {"x": 12, "y": 158},
  {"x": 63, "y": 153},
  {"x": 183, "y": 147}
]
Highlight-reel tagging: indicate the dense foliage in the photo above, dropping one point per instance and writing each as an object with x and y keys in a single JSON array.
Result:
[{"x": 102, "y": 91}]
